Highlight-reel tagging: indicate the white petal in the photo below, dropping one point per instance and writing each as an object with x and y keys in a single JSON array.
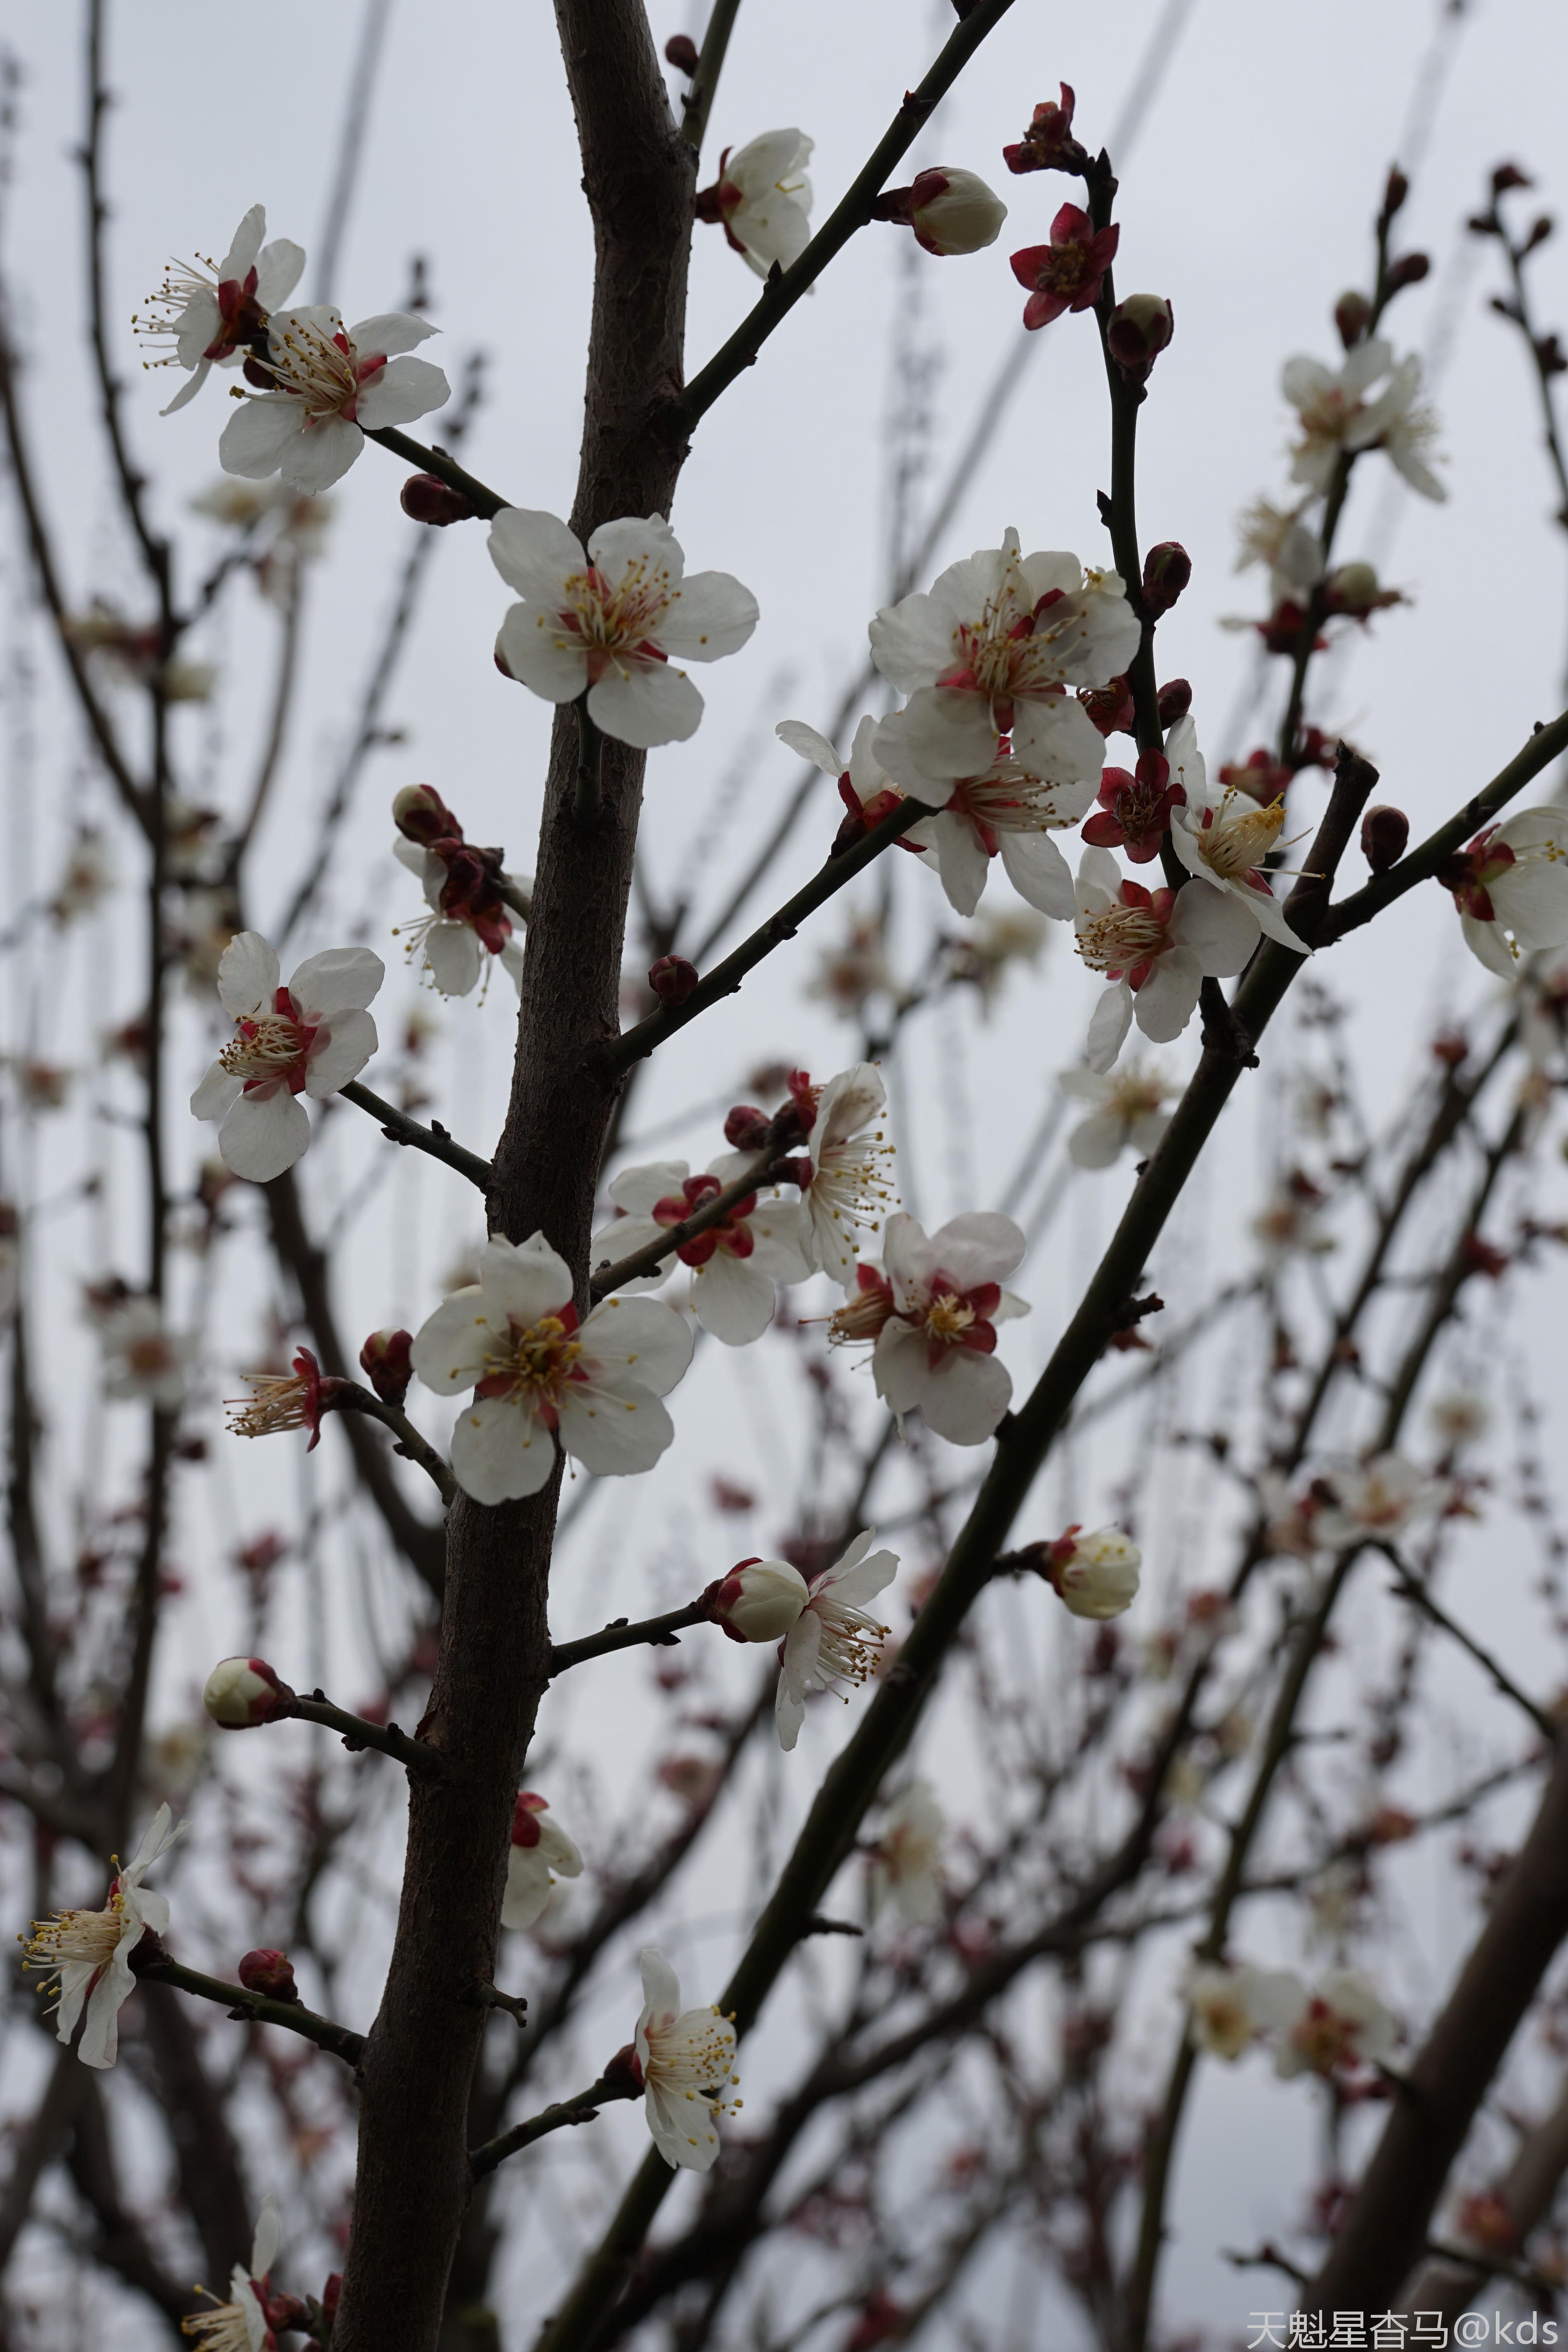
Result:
[
  {"x": 638, "y": 1190},
  {"x": 1039, "y": 873},
  {"x": 247, "y": 976},
  {"x": 253, "y": 441},
  {"x": 912, "y": 642},
  {"x": 799, "y": 736},
  {"x": 540, "y": 654},
  {"x": 389, "y": 332},
  {"x": 642, "y": 543},
  {"x": 524, "y": 1281},
  {"x": 217, "y": 1092},
  {"x": 965, "y": 1397},
  {"x": 1168, "y": 998},
  {"x": 451, "y": 1346},
  {"x": 453, "y": 958},
  {"x": 1108, "y": 1024},
  {"x": 316, "y": 459},
  {"x": 500, "y": 1452},
  {"x": 612, "y": 1426},
  {"x": 534, "y": 553},
  {"x": 265, "y": 1132},
  {"x": 646, "y": 703},
  {"x": 403, "y": 389},
  {"x": 948, "y": 733},
  {"x": 641, "y": 1334},
  {"x": 340, "y": 980},
  {"x": 338, "y": 1051},
  {"x": 733, "y": 1298},
  {"x": 711, "y": 615}
]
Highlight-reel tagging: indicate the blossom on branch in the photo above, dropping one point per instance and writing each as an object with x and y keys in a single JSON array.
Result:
[
  {"x": 990, "y": 652},
  {"x": 241, "y": 2324},
  {"x": 1095, "y": 1575},
  {"x": 1066, "y": 274},
  {"x": 832, "y": 1641},
  {"x": 1223, "y": 837},
  {"x": 87, "y": 1953},
  {"x": 216, "y": 315},
  {"x": 1511, "y": 887},
  {"x": 949, "y": 210},
  {"x": 843, "y": 1188},
  {"x": 758, "y": 1600},
  {"x": 686, "y": 2057},
  {"x": 735, "y": 1263},
  {"x": 761, "y": 199},
  {"x": 1155, "y": 947},
  {"x": 331, "y": 386},
  {"x": 539, "y": 1852},
  {"x": 241, "y": 1693},
  {"x": 468, "y": 921},
  {"x": 1010, "y": 810},
  {"x": 1342, "y": 2022},
  {"x": 541, "y": 1380},
  {"x": 1381, "y": 1499},
  {"x": 906, "y": 1866},
  {"x": 1231, "y": 2007},
  {"x": 1049, "y": 145},
  {"x": 1128, "y": 1108},
  {"x": 284, "y": 1401},
  {"x": 1340, "y": 415},
  {"x": 311, "y": 1037},
  {"x": 936, "y": 1351},
  {"x": 143, "y": 1361},
  {"x": 1135, "y": 811},
  {"x": 606, "y": 622}
]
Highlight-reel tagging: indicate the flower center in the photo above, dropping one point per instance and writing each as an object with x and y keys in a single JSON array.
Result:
[
  {"x": 697, "y": 2058},
  {"x": 537, "y": 1366},
  {"x": 1324, "y": 2039},
  {"x": 83, "y": 1937},
  {"x": 150, "y": 1354},
  {"x": 279, "y": 1403},
  {"x": 225, "y": 2328},
  {"x": 850, "y": 1644},
  {"x": 272, "y": 1046},
  {"x": 616, "y": 622},
  {"x": 1121, "y": 938},
  {"x": 1234, "y": 841},
  {"x": 947, "y": 1318},
  {"x": 860, "y": 1317},
  {"x": 324, "y": 371}
]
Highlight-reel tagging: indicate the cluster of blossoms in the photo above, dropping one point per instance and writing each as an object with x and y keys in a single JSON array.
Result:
[
  {"x": 468, "y": 920},
  {"x": 1340, "y": 2023}
]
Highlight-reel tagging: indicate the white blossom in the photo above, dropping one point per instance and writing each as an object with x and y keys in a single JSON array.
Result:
[
  {"x": 833, "y": 1641},
  {"x": 539, "y": 1379},
  {"x": 1344, "y": 2021},
  {"x": 312, "y": 1039},
  {"x": 1232, "y": 2007},
  {"x": 333, "y": 384},
  {"x": 933, "y": 1353},
  {"x": 1125, "y": 1108},
  {"x": 539, "y": 1852},
  {"x": 847, "y": 1191},
  {"x": 606, "y": 622},
  {"x": 143, "y": 1361},
  {"x": 1011, "y": 811},
  {"x": 1378, "y": 1499},
  {"x": 451, "y": 947},
  {"x": 210, "y": 315},
  {"x": 1155, "y": 947},
  {"x": 906, "y": 1868},
  {"x": 1339, "y": 412},
  {"x": 240, "y": 2324},
  {"x": 954, "y": 211},
  {"x": 1223, "y": 837},
  {"x": 763, "y": 199},
  {"x": 735, "y": 1263},
  {"x": 687, "y": 2057},
  {"x": 1096, "y": 1575},
  {"x": 1511, "y": 887},
  {"x": 87, "y": 1953},
  {"x": 1290, "y": 549},
  {"x": 991, "y": 651}
]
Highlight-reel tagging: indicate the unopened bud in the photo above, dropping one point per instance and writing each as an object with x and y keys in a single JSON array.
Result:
[
  {"x": 1394, "y": 193},
  {"x": 1138, "y": 331},
  {"x": 1508, "y": 175},
  {"x": 332, "y": 2293},
  {"x": 269, "y": 1972},
  {"x": 384, "y": 1360},
  {"x": 424, "y": 497},
  {"x": 672, "y": 979},
  {"x": 758, "y": 1600},
  {"x": 243, "y": 1692},
  {"x": 954, "y": 211},
  {"x": 1383, "y": 833},
  {"x": 421, "y": 814},
  {"x": 1096, "y": 1575},
  {"x": 1352, "y": 316},
  {"x": 680, "y": 51},
  {"x": 1540, "y": 231},
  {"x": 1167, "y": 569},
  {"x": 747, "y": 1128},
  {"x": 1408, "y": 270},
  {"x": 624, "y": 2074},
  {"x": 1174, "y": 701}
]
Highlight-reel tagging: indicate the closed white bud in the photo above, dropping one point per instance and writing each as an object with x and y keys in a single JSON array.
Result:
[
  {"x": 243, "y": 1692},
  {"x": 758, "y": 1600},
  {"x": 1096, "y": 1575},
  {"x": 955, "y": 212}
]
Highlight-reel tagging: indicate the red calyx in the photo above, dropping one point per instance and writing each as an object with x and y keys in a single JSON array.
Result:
[
  {"x": 1066, "y": 274},
  {"x": 385, "y": 1361},
  {"x": 1281, "y": 633},
  {"x": 269, "y": 1972},
  {"x": 863, "y": 816},
  {"x": 525, "y": 1818},
  {"x": 1134, "y": 812},
  {"x": 730, "y": 1231},
  {"x": 471, "y": 892},
  {"x": 1174, "y": 700},
  {"x": 1110, "y": 706},
  {"x": 672, "y": 979},
  {"x": 1049, "y": 145},
  {"x": 320, "y": 1394},
  {"x": 421, "y": 814},
  {"x": 425, "y": 498},
  {"x": 624, "y": 2074}
]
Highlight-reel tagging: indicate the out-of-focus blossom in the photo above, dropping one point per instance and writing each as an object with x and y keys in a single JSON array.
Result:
[
  {"x": 539, "y": 1852},
  {"x": 832, "y": 1644},
  {"x": 1460, "y": 1417},
  {"x": 311, "y": 1037},
  {"x": 539, "y": 1379},
  {"x": 1127, "y": 1109},
  {"x": 1380, "y": 1498},
  {"x": 612, "y": 622},
  {"x": 1232, "y": 2007},
  {"x": 906, "y": 1867},
  {"x": 1340, "y": 413},
  {"x": 686, "y": 2057},
  {"x": 1290, "y": 1222},
  {"x": 1343, "y": 2023},
  {"x": 143, "y": 1361},
  {"x": 240, "y": 2324},
  {"x": 934, "y": 1352},
  {"x": 86, "y": 880},
  {"x": 87, "y": 1953},
  {"x": 331, "y": 385},
  {"x": 849, "y": 974},
  {"x": 761, "y": 199}
]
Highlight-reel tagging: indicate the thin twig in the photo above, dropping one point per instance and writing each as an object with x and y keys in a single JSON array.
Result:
[
  {"x": 608, "y": 1276},
  {"x": 1415, "y": 1591},
  {"x": 399, "y": 1127},
  {"x": 625, "y": 1636},
  {"x": 352, "y": 1398},
  {"x": 255, "y": 2008},
  {"x": 581, "y": 2109},
  {"x": 355, "y": 1731}
]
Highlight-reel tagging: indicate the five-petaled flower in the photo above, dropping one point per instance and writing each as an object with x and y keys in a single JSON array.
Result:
[
  {"x": 1134, "y": 812},
  {"x": 1066, "y": 274},
  {"x": 1341, "y": 2022},
  {"x": 143, "y": 1361},
  {"x": 1511, "y": 887},
  {"x": 1155, "y": 947},
  {"x": 87, "y": 1953},
  {"x": 539, "y": 1852},
  {"x": 906, "y": 1866},
  {"x": 1127, "y": 1107},
  {"x": 832, "y": 1641},
  {"x": 538, "y": 1378},
  {"x": 934, "y": 1352},
  {"x": 686, "y": 2057},
  {"x": 605, "y": 622},
  {"x": 843, "y": 1188},
  {"x": 1010, "y": 810},
  {"x": 214, "y": 319},
  {"x": 1223, "y": 837},
  {"x": 1380, "y": 1497},
  {"x": 761, "y": 199},
  {"x": 1095, "y": 1575},
  {"x": 1230, "y": 2008},
  {"x": 240, "y": 2324},
  {"x": 312, "y": 1039},
  {"x": 1340, "y": 415},
  {"x": 735, "y": 1263},
  {"x": 990, "y": 652},
  {"x": 331, "y": 386}
]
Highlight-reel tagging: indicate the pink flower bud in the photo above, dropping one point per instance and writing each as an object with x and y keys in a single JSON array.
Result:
[
  {"x": 1138, "y": 331},
  {"x": 747, "y": 1128},
  {"x": 1383, "y": 833},
  {"x": 672, "y": 979},
  {"x": 680, "y": 51},
  {"x": 954, "y": 211},
  {"x": 243, "y": 1692},
  {"x": 421, "y": 814},
  {"x": 426, "y": 498},
  {"x": 758, "y": 1600},
  {"x": 1174, "y": 701},
  {"x": 384, "y": 1359},
  {"x": 1167, "y": 569},
  {"x": 1408, "y": 270},
  {"x": 624, "y": 2072},
  {"x": 269, "y": 1972},
  {"x": 1352, "y": 316}
]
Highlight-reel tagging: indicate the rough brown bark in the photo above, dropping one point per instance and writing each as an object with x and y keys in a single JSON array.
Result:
[
  {"x": 412, "y": 2185},
  {"x": 1387, "y": 2230}
]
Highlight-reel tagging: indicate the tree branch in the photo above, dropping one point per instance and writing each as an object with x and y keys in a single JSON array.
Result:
[
  {"x": 252, "y": 2007},
  {"x": 398, "y": 1128},
  {"x": 625, "y": 1636},
  {"x": 581, "y": 2108}
]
